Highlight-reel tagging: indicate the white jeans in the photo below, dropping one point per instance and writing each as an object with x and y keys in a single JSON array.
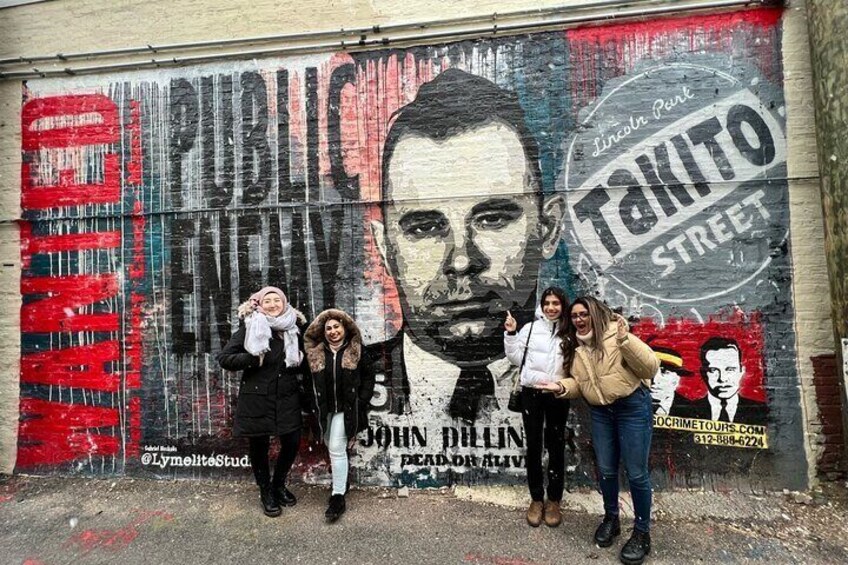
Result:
[{"x": 336, "y": 441}]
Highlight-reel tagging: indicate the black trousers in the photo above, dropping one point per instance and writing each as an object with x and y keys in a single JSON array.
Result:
[
  {"x": 259, "y": 447},
  {"x": 544, "y": 424}
]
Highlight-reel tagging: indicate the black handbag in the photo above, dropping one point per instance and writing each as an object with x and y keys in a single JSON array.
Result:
[{"x": 515, "y": 404}]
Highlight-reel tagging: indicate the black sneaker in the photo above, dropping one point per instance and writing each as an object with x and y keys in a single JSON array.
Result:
[
  {"x": 607, "y": 531},
  {"x": 636, "y": 548},
  {"x": 269, "y": 503},
  {"x": 335, "y": 508},
  {"x": 284, "y": 496}
]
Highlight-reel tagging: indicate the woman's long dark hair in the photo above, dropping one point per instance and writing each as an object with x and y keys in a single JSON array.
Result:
[
  {"x": 563, "y": 299},
  {"x": 599, "y": 313}
]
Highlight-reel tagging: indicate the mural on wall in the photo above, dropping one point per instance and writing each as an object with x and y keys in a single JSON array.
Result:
[{"x": 426, "y": 191}]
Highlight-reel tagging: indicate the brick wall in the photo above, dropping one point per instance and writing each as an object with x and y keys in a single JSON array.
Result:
[
  {"x": 830, "y": 462},
  {"x": 185, "y": 260}
]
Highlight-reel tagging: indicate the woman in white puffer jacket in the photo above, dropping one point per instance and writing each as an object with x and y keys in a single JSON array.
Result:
[{"x": 544, "y": 415}]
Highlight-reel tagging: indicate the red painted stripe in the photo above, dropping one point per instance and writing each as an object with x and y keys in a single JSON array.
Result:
[
  {"x": 135, "y": 164},
  {"x": 68, "y": 193},
  {"x": 33, "y": 245},
  {"x": 52, "y": 433},
  {"x": 761, "y": 17},
  {"x": 58, "y": 312},
  {"x": 81, "y": 366},
  {"x": 106, "y": 131},
  {"x": 133, "y": 445},
  {"x": 133, "y": 342}
]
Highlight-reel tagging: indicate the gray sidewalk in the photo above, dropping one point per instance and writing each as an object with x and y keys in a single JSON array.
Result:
[{"x": 57, "y": 521}]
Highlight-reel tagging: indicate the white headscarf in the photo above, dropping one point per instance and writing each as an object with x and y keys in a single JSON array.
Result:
[{"x": 260, "y": 326}]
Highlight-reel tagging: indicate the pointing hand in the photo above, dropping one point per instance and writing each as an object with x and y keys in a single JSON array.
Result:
[{"x": 510, "y": 324}]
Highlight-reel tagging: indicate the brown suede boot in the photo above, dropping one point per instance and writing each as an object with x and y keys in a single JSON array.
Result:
[
  {"x": 553, "y": 514},
  {"x": 535, "y": 513}
]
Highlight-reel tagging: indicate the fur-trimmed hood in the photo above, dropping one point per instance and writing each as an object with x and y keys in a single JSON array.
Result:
[
  {"x": 314, "y": 342},
  {"x": 248, "y": 307}
]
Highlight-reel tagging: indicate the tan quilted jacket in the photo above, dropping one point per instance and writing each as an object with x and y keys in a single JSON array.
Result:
[{"x": 603, "y": 380}]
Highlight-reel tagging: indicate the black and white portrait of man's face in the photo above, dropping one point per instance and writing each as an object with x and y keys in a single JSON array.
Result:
[
  {"x": 664, "y": 385},
  {"x": 723, "y": 372},
  {"x": 463, "y": 234}
]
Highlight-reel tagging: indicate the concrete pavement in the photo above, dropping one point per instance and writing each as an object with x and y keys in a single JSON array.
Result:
[{"x": 52, "y": 521}]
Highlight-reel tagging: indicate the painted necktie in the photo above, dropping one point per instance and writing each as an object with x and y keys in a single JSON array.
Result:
[
  {"x": 723, "y": 416},
  {"x": 473, "y": 383}
]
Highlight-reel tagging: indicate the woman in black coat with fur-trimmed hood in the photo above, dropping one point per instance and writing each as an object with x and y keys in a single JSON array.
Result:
[
  {"x": 268, "y": 350},
  {"x": 340, "y": 389}
]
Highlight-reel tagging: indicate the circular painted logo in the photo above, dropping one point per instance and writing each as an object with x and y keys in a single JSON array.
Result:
[{"x": 675, "y": 181}]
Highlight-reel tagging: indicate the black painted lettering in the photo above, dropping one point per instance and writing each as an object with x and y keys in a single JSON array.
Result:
[
  {"x": 256, "y": 154},
  {"x": 348, "y": 186},
  {"x": 249, "y": 272},
  {"x": 283, "y": 143},
  {"x": 183, "y": 132},
  {"x": 182, "y": 286},
  {"x": 312, "y": 134},
  {"x": 705, "y": 133},
  {"x": 662, "y": 180},
  {"x": 589, "y": 208},
  {"x": 328, "y": 247},
  {"x": 299, "y": 273},
  {"x": 216, "y": 175},
  {"x": 276, "y": 255},
  {"x": 741, "y": 114},
  {"x": 691, "y": 166},
  {"x": 215, "y": 280},
  {"x": 634, "y": 209}
]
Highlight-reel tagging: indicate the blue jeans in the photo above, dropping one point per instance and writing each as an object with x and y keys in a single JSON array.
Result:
[{"x": 623, "y": 430}]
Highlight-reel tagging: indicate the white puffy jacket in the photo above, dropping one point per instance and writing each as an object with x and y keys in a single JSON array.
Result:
[{"x": 544, "y": 356}]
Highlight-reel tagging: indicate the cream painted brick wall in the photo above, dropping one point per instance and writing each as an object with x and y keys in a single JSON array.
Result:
[
  {"x": 813, "y": 329},
  {"x": 111, "y": 24},
  {"x": 10, "y": 300}
]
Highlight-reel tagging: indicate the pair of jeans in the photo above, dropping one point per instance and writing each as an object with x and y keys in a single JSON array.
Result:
[
  {"x": 544, "y": 424},
  {"x": 622, "y": 431},
  {"x": 258, "y": 453},
  {"x": 336, "y": 440}
]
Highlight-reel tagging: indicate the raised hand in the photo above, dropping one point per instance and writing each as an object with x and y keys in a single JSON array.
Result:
[
  {"x": 622, "y": 328},
  {"x": 510, "y": 324}
]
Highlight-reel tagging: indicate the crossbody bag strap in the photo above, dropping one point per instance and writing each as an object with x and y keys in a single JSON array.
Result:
[{"x": 524, "y": 357}]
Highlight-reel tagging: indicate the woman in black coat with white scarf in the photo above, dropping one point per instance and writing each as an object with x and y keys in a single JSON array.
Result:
[
  {"x": 268, "y": 349},
  {"x": 340, "y": 387}
]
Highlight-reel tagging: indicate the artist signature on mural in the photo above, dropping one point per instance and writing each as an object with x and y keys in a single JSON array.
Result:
[
  {"x": 160, "y": 448},
  {"x": 217, "y": 460}
]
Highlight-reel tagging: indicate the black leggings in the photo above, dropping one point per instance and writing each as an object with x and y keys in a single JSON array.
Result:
[
  {"x": 544, "y": 424},
  {"x": 259, "y": 446}
]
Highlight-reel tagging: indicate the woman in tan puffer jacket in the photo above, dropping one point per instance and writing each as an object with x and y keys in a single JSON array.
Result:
[{"x": 612, "y": 369}]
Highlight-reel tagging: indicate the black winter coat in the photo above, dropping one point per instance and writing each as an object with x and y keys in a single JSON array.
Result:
[
  {"x": 269, "y": 399},
  {"x": 352, "y": 394},
  {"x": 353, "y": 370}
]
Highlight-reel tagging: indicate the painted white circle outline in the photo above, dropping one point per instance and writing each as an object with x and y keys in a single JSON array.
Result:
[{"x": 600, "y": 103}]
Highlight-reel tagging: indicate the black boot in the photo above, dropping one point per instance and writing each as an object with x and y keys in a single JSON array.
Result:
[
  {"x": 269, "y": 503},
  {"x": 284, "y": 496},
  {"x": 636, "y": 548},
  {"x": 607, "y": 531},
  {"x": 335, "y": 508}
]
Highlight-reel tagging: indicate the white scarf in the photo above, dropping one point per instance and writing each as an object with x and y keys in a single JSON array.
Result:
[{"x": 257, "y": 341}]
